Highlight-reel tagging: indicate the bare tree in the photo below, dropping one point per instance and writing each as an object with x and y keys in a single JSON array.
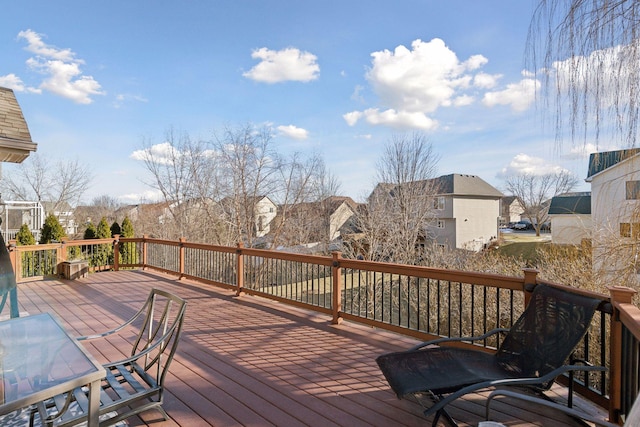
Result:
[
  {"x": 212, "y": 189},
  {"x": 401, "y": 208},
  {"x": 588, "y": 53},
  {"x": 535, "y": 193},
  {"x": 41, "y": 180},
  {"x": 186, "y": 174}
]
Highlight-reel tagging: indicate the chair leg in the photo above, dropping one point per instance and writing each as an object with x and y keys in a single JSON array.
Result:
[{"x": 442, "y": 412}]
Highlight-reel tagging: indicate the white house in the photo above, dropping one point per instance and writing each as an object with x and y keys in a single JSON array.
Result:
[
  {"x": 467, "y": 210},
  {"x": 570, "y": 216},
  {"x": 615, "y": 209}
]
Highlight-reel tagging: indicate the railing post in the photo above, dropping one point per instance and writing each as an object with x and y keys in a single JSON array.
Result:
[
  {"x": 530, "y": 280},
  {"x": 239, "y": 270},
  {"x": 336, "y": 295},
  {"x": 144, "y": 251},
  {"x": 181, "y": 258},
  {"x": 61, "y": 254},
  {"x": 619, "y": 295},
  {"x": 116, "y": 252}
]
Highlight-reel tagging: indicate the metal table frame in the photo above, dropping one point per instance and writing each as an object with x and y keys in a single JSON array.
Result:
[{"x": 25, "y": 342}]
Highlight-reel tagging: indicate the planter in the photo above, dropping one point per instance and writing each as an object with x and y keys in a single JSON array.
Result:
[{"x": 75, "y": 269}]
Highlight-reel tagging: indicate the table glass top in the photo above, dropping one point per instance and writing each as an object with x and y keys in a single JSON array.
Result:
[{"x": 36, "y": 353}]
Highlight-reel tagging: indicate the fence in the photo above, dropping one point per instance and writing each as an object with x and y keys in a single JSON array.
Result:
[{"x": 421, "y": 302}]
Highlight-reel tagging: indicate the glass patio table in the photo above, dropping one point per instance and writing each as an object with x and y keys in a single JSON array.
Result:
[{"x": 39, "y": 360}]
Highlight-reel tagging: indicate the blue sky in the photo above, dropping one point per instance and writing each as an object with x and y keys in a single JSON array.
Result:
[{"x": 96, "y": 80}]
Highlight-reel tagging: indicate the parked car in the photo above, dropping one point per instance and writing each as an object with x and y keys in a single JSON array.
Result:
[{"x": 522, "y": 225}]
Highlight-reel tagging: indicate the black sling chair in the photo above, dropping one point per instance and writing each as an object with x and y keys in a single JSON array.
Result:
[{"x": 533, "y": 353}]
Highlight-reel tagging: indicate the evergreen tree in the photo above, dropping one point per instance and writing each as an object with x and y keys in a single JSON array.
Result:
[
  {"x": 103, "y": 231},
  {"x": 128, "y": 254},
  {"x": 103, "y": 253},
  {"x": 51, "y": 230},
  {"x": 90, "y": 232},
  {"x": 25, "y": 237},
  {"x": 115, "y": 229},
  {"x": 127, "y": 228}
]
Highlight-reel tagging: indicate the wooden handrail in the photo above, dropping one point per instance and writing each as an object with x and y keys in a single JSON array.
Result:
[{"x": 624, "y": 312}]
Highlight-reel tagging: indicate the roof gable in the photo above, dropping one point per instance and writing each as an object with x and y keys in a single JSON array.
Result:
[
  {"x": 572, "y": 203},
  {"x": 15, "y": 139},
  {"x": 465, "y": 185},
  {"x": 598, "y": 162}
]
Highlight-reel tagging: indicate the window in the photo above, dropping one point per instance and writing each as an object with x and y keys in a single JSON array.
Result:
[
  {"x": 633, "y": 190},
  {"x": 630, "y": 229},
  {"x": 440, "y": 223},
  {"x": 438, "y": 203}
]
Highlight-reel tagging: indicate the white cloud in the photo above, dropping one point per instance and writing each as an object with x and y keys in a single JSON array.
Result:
[
  {"x": 463, "y": 100},
  {"x": 293, "y": 132},
  {"x": 392, "y": 118},
  {"x": 517, "y": 95},
  {"x": 288, "y": 64},
  {"x": 412, "y": 84},
  {"x": 14, "y": 82},
  {"x": 486, "y": 81},
  {"x": 61, "y": 69},
  {"x": 148, "y": 196},
  {"x": 160, "y": 153},
  {"x": 525, "y": 164},
  {"x": 37, "y": 46},
  {"x": 421, "y": 79},
  {"x": 124, "y": 98}
]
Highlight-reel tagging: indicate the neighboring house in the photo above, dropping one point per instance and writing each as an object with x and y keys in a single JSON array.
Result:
[
  {"x": 570, "y": 216},
  {"x": 314, "y": 223},
  {"x": 467, "y": 211},
  {"x": 265, "y": 212},
  {"x": 511, "y": 210},
  {"x": 64, "y": 212},
  {"x": 615, "y": 209},
  {"x": 259, "y": 210},
  {"x": 17, "y": 213}
]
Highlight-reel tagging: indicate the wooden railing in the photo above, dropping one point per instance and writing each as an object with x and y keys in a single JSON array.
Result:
[{"x": 421, "y": 302}]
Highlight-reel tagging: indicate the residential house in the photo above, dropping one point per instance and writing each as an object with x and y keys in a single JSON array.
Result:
[
  {"x": 511, "y": 210},
  {"x": 64, "y": 212},
  {"x": 570, "y": 216},
  {"x": 467, "y": 210},
  {"x": 314, "y": 223},
  {"x": 253, "y": 213},
  {"x": 615, "y": 209}
]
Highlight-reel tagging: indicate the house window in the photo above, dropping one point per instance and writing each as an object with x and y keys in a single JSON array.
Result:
[
  {"x": 630, "y": 229},
  {"x": 440, "y": 223},
  {"x": 438, "y": 203},
  {"x": 633, "y": 190}
]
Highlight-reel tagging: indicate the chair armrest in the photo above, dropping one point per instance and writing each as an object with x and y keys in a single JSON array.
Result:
[
  {"x": 114, "y": 330},
  {"x": 444, "y": 340},
  {"x": 533, "y": 399},
  {"x": 509, "y": 382}
]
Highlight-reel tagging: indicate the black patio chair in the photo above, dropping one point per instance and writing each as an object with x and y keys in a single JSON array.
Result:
[
  {"x": 532, "y": 354},
  {"x": 132, "y": 385}
]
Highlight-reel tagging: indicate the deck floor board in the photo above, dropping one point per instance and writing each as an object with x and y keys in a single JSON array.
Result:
[{"x": 248, "y": 361}]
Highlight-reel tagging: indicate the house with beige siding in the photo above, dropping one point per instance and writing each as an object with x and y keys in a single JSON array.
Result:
[
  {"x": 615, "y": 210},
  {"x": 570, "y": 216},
  {"x": 467, "y": 212}
]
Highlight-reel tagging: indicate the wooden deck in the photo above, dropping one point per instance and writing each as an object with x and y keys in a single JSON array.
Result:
[{"x": 253, "y": 362}]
